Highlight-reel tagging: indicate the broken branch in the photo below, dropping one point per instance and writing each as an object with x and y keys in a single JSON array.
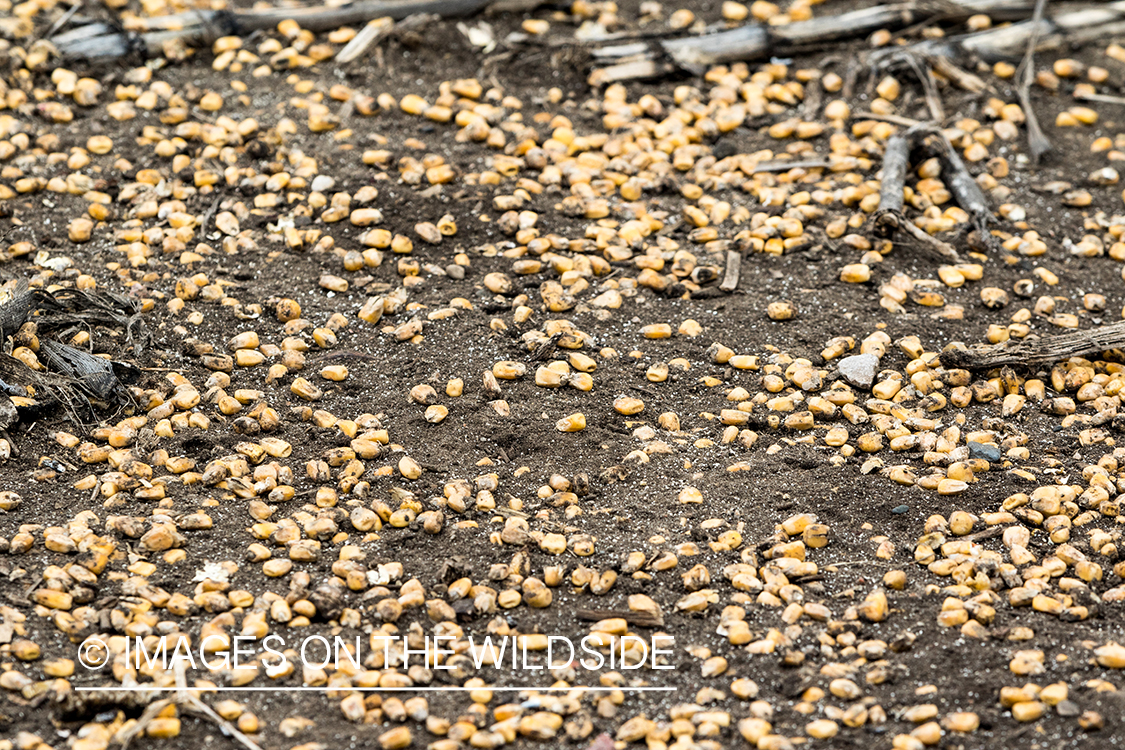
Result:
[
  {"x": 755, "y": 41},
  {"x": 965, "y": 190},
  {"x": 102, "y": 41},
  {"x": 890, "y": 218},
  {"x": 1043, "y": 351},
  {"x": 1037, "y": 141},
  {"x": 1065, "y": 28}
]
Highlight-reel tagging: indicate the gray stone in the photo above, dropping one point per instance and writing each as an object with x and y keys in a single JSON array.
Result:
[
  {"x": 859, "y": 369},
  {"x": 987, "y": 451},
  {"x": 1068, "y": 708}
]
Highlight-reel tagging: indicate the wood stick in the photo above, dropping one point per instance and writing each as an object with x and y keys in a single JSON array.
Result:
[
  {"x": 893, "y": 119},
  {"x": 981, "y": 536},
  {"x": 187, "y": 702},
  {"x": 640, "y": 619},
  {"x": 890, "y": 218},
  {"x": 63, "y": 20},
  {"x": 962, "y": 78},
  {"x": 928, "y": 242},
  {"x": 933, "y": 98},
  {"x": 1099, "y": 98},
  {"x": 1071, "y": 27},
  {"x": 1041, "y": 351},
  {"x": 733, "y": 271},
  {"x": 100, "y": 41},
  {"x": 755, "y": 41},
  {"x": 785, "y": 166},
  {"x": 919, "y": 63},
  {"x": 372, "y": 33},
  {"x": 861, "y": 22},
  {"x": 1037, "y": 142},
  {"x": 627, "y": 71},
  {"x": 326, "y": 18},
  {"x": 619, "y": 51},
  {"x": 496, "y": 7},
  {"x": 965, "y": 190},
  {"x": 896, "y": 160},
  {"x": 758, "y": 40}
]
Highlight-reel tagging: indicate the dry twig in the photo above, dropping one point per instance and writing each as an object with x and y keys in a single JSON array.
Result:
[
  {"x": 965, "y": 189},
  {"x": 103, "y": 41},
  {"x": 1105, "y": 98},
  {"x": 1038, "y": 143},
  {"x": 890, "y": 218},
  {"x": 187, "y": 701},
  {"x": 1070, "y": 27},
  {"x": 755, "y": 41},
  {"x": 1042, "y": 351}
]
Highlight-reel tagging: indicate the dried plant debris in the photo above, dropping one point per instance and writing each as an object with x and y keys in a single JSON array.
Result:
[
  {"x": 890, "y": 218},
  {"x": 151, "y": 36},
  {"x": 15, "y": 306},
  {"x": 40, "y": 371},
  {"x": 70, "y": 310},
  {"x": 94, "y": 373}
]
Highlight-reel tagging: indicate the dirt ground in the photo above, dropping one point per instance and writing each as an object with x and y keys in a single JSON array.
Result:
[{"x": 636, "y": 477}]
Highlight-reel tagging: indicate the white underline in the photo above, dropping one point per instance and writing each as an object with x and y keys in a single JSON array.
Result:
[{"x": 344, "y": 689}]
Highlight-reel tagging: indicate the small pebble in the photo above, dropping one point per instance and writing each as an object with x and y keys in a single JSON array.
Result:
[
  {"x": 986, "y": 451},
  {"x": 859, "y": 369}
]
